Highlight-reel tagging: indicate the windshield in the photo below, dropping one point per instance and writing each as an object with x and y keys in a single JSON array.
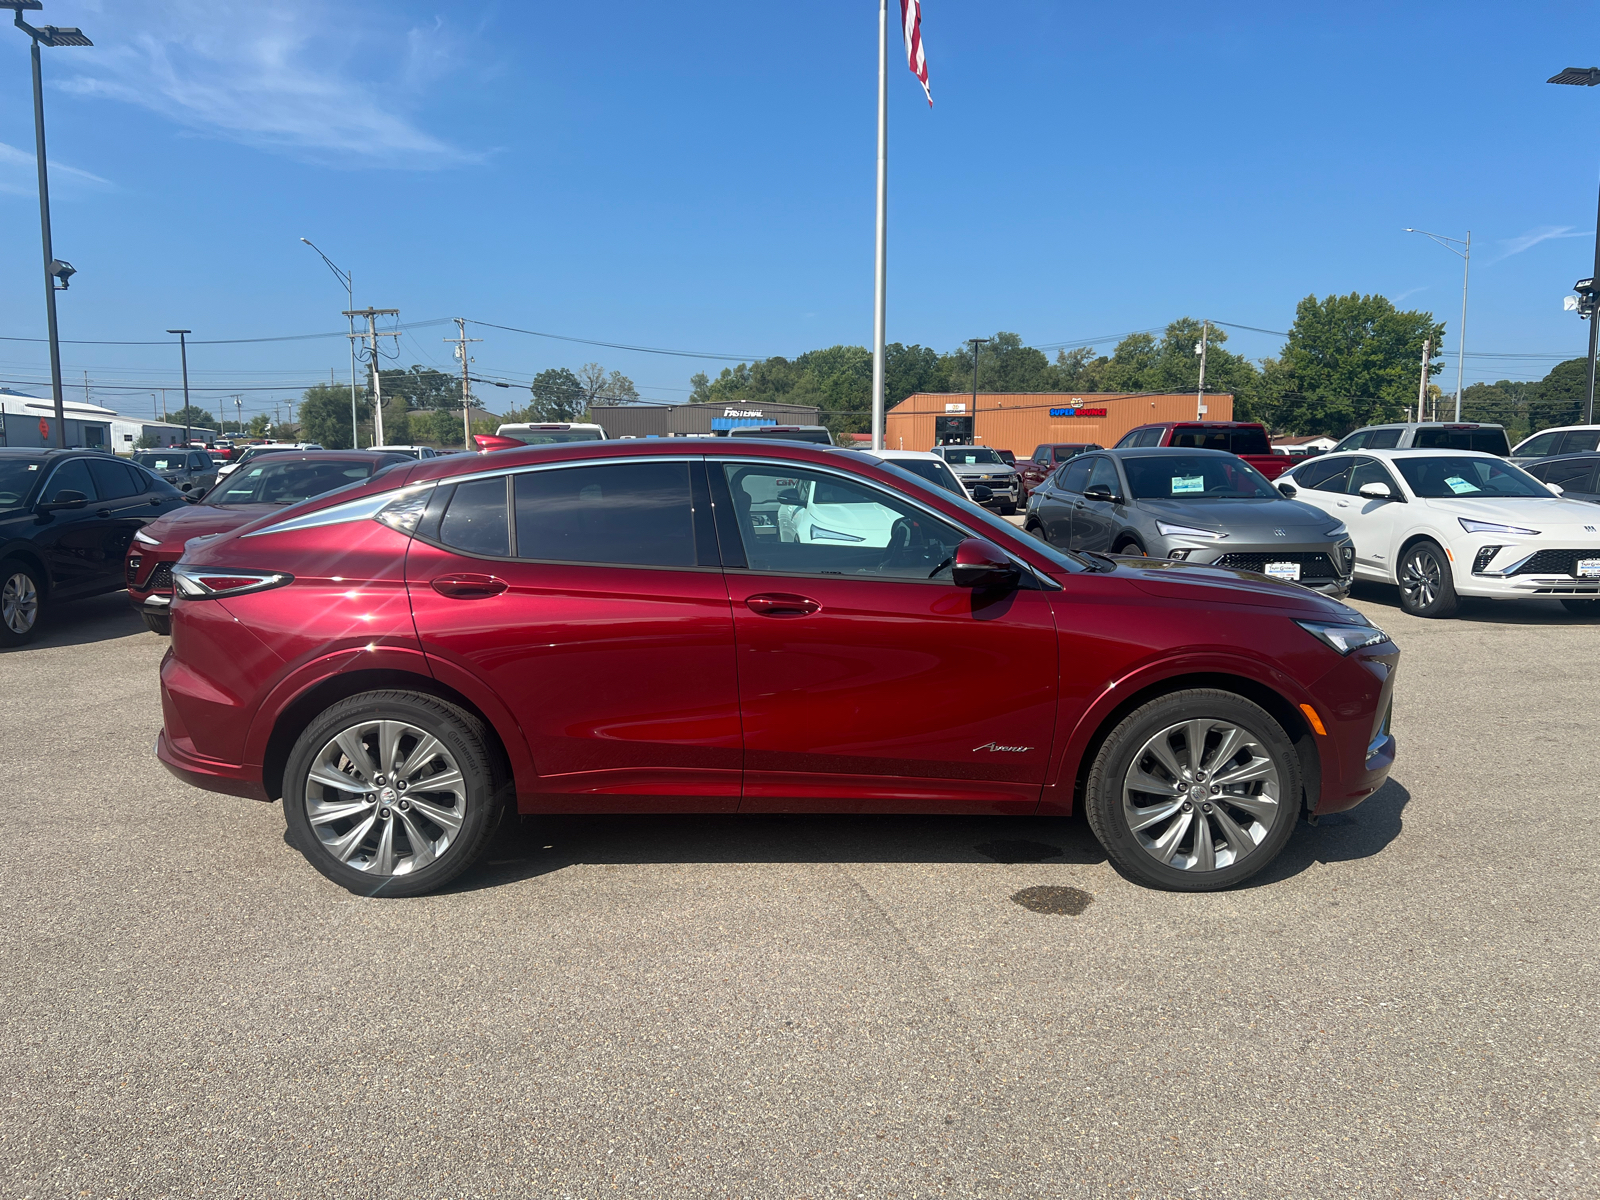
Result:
[
  {"x": 1234, "y": 441},
  {"x": 1446, "y": 477},
  {"x": 933, "y": 472},
  {"x": 1195, "y": 477},
  {"x": 1489, "y": 441},
  {"x": 17, "y": 477},
  {"x": 283, "y": 482},
  {"x": 550, "y": 437},
  {"x": 162, "y": 462},
  {"x": 970, "y": 455}
]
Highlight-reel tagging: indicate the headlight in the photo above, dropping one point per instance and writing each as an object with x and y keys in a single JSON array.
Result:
[
  {"x": 141, "y": 536},
  {"x": 818, "y": 533},
  {"x": 1188, "y": 531},
  {"x": 1491, "y": 527},
  {"x": 1338, "y": 531},
  {"x": 1344, "y": 638}
]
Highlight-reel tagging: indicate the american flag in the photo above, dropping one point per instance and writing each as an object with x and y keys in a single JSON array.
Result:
[{"x": 911, "y": 24}]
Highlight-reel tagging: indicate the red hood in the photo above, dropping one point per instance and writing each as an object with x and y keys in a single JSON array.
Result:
[{"x": 197, "y": 520}]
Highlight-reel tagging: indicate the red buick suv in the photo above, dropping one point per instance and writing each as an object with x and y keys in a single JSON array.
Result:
[{"x": 752, "y": 627}]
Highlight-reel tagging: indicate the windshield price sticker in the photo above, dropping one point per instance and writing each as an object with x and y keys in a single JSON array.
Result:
[
  {"x": 1589, "y": 568},
  {"x": 1185, "y": 485},
  {"x": 1289, "y": 572},
  {"x": 1459, "y": 485}
]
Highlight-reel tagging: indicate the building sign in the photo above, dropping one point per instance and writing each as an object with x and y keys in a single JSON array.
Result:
[
  {"x": 955, "y": 408},
  {"x": 1077, "y": 412},
  {"x": 743, "y": 412}
]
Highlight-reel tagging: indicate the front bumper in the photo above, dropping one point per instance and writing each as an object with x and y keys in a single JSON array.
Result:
[
  {"x": 1515, "y": 571},
  {"x": 1355, "y": 701},
  {"x": 1325, "y": 567}
]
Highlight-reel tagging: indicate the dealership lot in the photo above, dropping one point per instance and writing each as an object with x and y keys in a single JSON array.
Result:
[{"x": 1403, "y": 1004}]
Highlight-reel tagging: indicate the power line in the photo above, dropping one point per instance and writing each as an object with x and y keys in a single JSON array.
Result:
[{"x": 561, "y": 337}]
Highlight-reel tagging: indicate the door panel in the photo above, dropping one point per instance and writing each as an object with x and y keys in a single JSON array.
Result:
[
  {"x": 73, "y": 540},
  {"x": 868, "y": 681},
  {"x": 1095, "y": 522},
  {"x": 1371, "y": 522}
]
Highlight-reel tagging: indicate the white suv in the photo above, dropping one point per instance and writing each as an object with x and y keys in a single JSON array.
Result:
[
  {"x": 1564, "y": 439},
  {"x": 1428, "y": 435}
]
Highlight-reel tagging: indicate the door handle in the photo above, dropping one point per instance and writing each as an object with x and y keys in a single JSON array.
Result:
[
  {"x": 468, "y": 586},
  {"x": 104, "y": 512},
  {"x": 782, "y": 604}
]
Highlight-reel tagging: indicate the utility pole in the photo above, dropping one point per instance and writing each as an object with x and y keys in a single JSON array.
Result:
[
  {"x": 183, "y": 349},
  {"x": 975, "y": 343},
  {"x": 1422, "y": 384},
  {"x": 238, "y": 408},
  {"x": 461, "y": 339},
  {"x": 880, "y": 275},
  {"x": 371, "y": 336},
  {"x": 163, "y": 405},
  {"x": 86, "y": 387},
  {"x": 1200, "y": 394}
]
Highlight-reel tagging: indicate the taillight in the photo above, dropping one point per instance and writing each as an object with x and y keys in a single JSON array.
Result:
[{"x": 209, "y": 583}]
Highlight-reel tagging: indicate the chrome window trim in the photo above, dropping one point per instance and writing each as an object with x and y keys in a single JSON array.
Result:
[{"x": 361, "y": 509}]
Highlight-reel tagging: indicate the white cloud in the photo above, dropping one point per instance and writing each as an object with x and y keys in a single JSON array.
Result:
[
  {"x": 1533, "y": 237},
  {"x": 293, "y": 76},
  {"x": 19, "y": 174}
]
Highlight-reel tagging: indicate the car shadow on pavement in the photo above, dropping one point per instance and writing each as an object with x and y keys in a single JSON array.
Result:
[
  {"x": 1362, "y": 832},
  {"x": 531, "y": 846},
  {"x": 1479, "y": 611},
  {"x": 81, "y": 622}
]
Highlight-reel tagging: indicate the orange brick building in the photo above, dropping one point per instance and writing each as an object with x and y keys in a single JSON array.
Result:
[{"x": 1019, "y": 421}]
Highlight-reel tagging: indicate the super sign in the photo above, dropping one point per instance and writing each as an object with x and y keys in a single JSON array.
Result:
[{"x": 1077, "y": 412}]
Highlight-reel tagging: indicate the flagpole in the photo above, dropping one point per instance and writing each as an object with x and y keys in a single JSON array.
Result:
[{"x": 879, "y": 280}]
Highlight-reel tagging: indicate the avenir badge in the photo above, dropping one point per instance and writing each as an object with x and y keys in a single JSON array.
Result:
[{"x": 998, "y": 748}]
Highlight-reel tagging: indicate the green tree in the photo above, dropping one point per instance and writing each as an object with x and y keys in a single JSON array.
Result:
[
  {"x": 396, "y": 421},
  {"x": 557, "y": 395},
  {"x": 1558, "y": 398},
  {"x": 192, "y": 415},
  {"x": 601, "y": 388},
  {"x": 440, "y": 427},
  {"x": 325, "y": 415},
  {"x": 259, "y": 425},
  {"x": 1349, "y": 361},
  {"x": 420, "y": 387}
]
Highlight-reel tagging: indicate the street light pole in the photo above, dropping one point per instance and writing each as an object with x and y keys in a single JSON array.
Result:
[
  {"x": 183, "y": 349},
  {"x": 975, "y": 343},
  {"x": 1465, "y": 253},
  {"x": 48, "y": 35},
  {"x": 1587, "y": 77},
  {"x": 349, "y": 280}
]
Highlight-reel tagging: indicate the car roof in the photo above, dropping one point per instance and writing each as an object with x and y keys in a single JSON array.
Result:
[
  {"x": 1575, "y": 456},
  {"x": 891, "y": 455},
  {"x": 1429, "y": 425},
  {"x": 1410, "y": 452},
  {"x": 1161, "y": 451}
]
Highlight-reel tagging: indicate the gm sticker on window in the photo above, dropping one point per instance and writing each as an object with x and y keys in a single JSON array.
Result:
[{"x": 1183, "y": 485}]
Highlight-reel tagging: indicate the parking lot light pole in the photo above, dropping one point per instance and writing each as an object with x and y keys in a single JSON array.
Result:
[
  {"x": 1465, "y": 253},
  {"x": 48, "y": 35},
  {"x": 1587, "y": 77},
  {"x": 349, "y": 280},
  {"x": 183, "y": 350}
]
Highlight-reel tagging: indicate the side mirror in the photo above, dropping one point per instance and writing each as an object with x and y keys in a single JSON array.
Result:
[
  {"x": 789, "y": 496},
  {"x": 1287, "y": 490},
  {"x": 1376, "y": 491},
  {"x": 981, "y": 564},
  {"x": 1556, "y": 488},
  {"x": 68, "y": 499},
  {"x": 1099, "y": 492},
  {"x": 982, "y": 493}
]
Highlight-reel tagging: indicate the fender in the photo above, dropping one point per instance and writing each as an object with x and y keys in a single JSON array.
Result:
[
  {"x": 1058, "y": 791},
  {"x": 494, "y": 710}
]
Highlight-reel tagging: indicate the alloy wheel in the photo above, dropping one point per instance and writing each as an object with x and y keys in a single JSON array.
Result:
[
  {"x": 1202, "y": 794},
  {"x": 385, "y": 797},
  {"x": 1420, "y": 578},
  {"x": 19, "y": 603}
]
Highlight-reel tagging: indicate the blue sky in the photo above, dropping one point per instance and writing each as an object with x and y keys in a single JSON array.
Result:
[{"x": 700, "y": 177}]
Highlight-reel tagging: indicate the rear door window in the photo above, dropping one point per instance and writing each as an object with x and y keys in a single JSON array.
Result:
[
  {"x": 112, "y": 480},
  {"x": 1539, "y": 445},
  {"x": 1576, "y": 441},
  {"x": 627, "y": 514},
  {"x": 476, "y": 518}
]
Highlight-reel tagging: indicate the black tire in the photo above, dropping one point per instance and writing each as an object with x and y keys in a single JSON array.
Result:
[
  {"x": 1035, "y": 528},
  {"x": 1582, "y": 608},
  {"x": 158, "y": 623},
  {"x": 1427, "y": 588},
  {"x": 22, "y": 595},
  {"x": 1109, "y": 818},
  {"x": 483, "y": 790},
  {"x": 1008, "y": 510},
  {"x": 1130, "y": 547}
]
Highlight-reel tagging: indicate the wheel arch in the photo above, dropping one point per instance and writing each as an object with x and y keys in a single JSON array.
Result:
[
  {"x": 303, "y": 709},
  {"x": 1410, "y": 540},
  {"x": 1282, "y": 709},
  {"x": 29, "y": 554},
  {"x": 1127, "y": 536}
]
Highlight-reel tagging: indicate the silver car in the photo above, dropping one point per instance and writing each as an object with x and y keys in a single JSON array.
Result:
[
  {"x": 1200, "y": 506},
  {"x": 188, "y": 470},
  {"x": 979, "y": 466}
]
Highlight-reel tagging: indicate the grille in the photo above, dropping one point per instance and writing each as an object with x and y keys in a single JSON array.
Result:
[
  {"x": 160, "y": 579},
  {"x": 1555, "y": 562},
  {"x": 1314, "y": 565},
  {"x": 133, "y": 568}
]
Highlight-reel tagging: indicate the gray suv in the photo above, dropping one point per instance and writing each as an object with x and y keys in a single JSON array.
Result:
[
  {"x": 1428, "y": 435},
  {"x": 1206, "y": 507},
  {"x": 980, "y": 466},
  {"x": 188, "y": 470}
]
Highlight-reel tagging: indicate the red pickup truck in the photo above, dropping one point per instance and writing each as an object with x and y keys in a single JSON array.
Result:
[
  {"x": 1033, "y": 471},
  {"x": 1247, "y": 439}
]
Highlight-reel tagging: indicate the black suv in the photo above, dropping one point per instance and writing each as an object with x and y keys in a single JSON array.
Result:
[{"x": 66, "y": 519}]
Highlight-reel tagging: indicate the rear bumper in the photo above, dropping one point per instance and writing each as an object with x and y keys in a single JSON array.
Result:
[{"x": 231, "y": 779}]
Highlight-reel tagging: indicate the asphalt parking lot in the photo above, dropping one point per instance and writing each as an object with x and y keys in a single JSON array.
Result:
[{"x": 1404, "y": 1005}]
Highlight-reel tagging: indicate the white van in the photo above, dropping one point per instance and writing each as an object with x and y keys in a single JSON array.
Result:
[{"x": 549, "y": 433}]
